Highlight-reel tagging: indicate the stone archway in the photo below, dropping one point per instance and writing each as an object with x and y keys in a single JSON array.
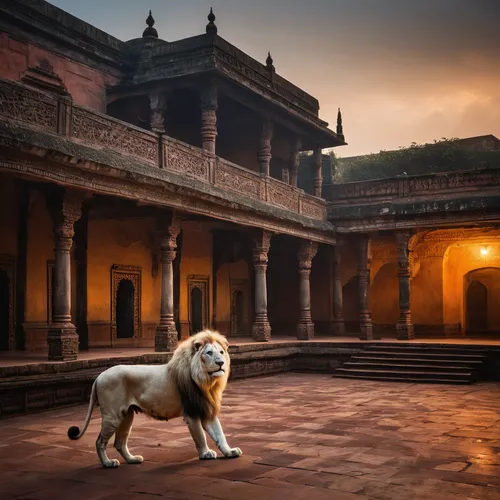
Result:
[{"x": 481, "y": 301}]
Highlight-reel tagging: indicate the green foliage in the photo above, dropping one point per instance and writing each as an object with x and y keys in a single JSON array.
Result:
[{"x": 441, "y": 156}]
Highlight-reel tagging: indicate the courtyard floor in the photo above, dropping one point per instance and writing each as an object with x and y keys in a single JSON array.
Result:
[{"x": 303, "y": 437}]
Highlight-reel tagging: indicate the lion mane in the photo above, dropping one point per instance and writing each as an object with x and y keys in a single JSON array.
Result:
[{"x": 200, "y": 394}]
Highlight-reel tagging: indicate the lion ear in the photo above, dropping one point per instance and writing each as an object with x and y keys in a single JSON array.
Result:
[{"x": 197, "y": 344}]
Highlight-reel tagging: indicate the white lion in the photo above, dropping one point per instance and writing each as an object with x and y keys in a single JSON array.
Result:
[{"x": 190, "y": 385}]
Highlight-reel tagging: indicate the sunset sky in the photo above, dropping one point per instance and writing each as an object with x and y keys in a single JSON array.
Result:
[{"x": 402, "y": 71}]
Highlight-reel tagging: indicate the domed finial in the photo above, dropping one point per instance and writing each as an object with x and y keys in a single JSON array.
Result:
[
  {"x": 211, "y": 28},
  {"x": 150, "y": 31},
  {"x": 269, "y": 63},
  {"x": 340, "y": 129}
]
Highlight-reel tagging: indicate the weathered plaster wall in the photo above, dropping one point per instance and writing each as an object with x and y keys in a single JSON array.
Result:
[
  {"x": 40, "y": 250},
  {"x": 196, "y": 260},
  {"x": 226, "y": 274},
  {"x": 85, "y": 84},
  {"x": 125, "y": 243},
  {"x": 321, "y": 290}
]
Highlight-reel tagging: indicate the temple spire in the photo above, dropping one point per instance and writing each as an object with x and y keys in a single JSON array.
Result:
[
  {"x": 150, "y": 31},
  {"x": 211, "y": 28},
  {"x": 269, "y": 63},
  {"x": 340, "y": 129}
]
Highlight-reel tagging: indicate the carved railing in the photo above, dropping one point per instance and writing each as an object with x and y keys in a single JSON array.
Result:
[
  {"x": 417, "y": 186},
  {"x": 57, "y": 114}
]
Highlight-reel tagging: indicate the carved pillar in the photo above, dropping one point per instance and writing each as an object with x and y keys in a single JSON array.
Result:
[
  {"x": 209, "y": 104},
  {"x": 265, "y": 146},
  {"x": 295, "y": 161},
  {"x": 338, "y": 327},
  {"x": 318, "y": 175},
  {"x": 305, "y": 326},
  {"x": 158, "y": 105},
  {"x": 166, "y": 337},
  {"x": 65, "y": 208},
  {"x": 364, "y": 258},
  {"x": 404, "y": 326},
  {"x": 261, "y": 329}
]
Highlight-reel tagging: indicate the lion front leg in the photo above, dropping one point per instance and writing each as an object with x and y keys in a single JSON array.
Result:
[
  {"x": 199, "y": 438},
  {"x": 214, "y": 430}
]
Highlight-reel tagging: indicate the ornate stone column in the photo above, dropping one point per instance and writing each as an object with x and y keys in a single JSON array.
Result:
[
  {"x": 65, "y": 208},
  {"x": 338, "y": 327},
  {"x": 261, "y": 329},
  {"x": 404, "y": 327},
  {"x": 265, "y": 146},
  {"x": 305, "y": 326},
  {"x": 364, "y": 258},
  {"x": 158, "y": 106},
  {"x": 318, "y": 174},
  {"x": 209, "y": 105},
  {"x": 295, "y": 161},
  {"x": 166, "y": 337}
]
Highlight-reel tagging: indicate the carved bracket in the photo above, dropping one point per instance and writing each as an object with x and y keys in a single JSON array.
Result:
[
  {"x": 306, "y": 254},
  {"x": 261, "y": 245}
]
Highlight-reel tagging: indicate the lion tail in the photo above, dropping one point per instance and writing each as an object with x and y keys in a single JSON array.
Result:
[{"x": 74, "y": 431}]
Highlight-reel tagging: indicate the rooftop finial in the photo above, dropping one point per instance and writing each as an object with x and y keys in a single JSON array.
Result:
[
  {"x": 211, "y": 28},
  {"x": 340, "y": 129},
  {"x": 150, "y": 31},
  {"x": 269, "y": 63}
]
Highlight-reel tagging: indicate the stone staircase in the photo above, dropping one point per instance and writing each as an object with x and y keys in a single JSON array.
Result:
[{"x": 425, "y": 363}]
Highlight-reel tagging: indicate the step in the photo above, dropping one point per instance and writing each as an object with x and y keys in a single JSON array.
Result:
[
  {"x": 402, "y": 379},
  {"x": 405, "y": 372},
  {"x": 428, "y": 349},
  {"x": 365, "y": 358},
  {"x": 412, "y": 366},
  {"x": 443, "y": 355}
]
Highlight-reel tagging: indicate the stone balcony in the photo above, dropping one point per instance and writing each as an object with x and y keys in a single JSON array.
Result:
[{"x": 58, "y": 115}]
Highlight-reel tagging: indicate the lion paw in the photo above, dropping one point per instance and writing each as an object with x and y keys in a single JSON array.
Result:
[
  {"x": 208, "y": 455},
  {"x": 234, "y": 453},
  {"x": 112, "y": 464},
  {"x": 137, "y": 459}
]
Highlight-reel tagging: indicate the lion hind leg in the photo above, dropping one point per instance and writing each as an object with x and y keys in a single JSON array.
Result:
[
  {"x": 121, "y": 439},
  {"x": 108, "y": 428}
]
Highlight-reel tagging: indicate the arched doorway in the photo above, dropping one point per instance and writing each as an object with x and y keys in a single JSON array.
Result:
[
  {"x": 476, "y": 308},
  {"x": 4, "y": 311},
  {"x": 125, "y": 297},
  {"x": 196, "y": 318}
]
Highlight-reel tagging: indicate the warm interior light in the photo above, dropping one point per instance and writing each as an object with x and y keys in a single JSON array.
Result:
[{"x": 483, "y": 251}]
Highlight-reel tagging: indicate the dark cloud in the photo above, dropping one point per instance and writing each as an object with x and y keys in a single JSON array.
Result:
[{"x": 401, "y": 70}]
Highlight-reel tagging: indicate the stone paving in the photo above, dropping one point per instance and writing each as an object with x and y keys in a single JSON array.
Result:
[{"x": 303, "y": 437}]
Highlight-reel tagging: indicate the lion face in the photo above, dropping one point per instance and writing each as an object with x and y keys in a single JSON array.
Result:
[{"x": 214, "y": 359}]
